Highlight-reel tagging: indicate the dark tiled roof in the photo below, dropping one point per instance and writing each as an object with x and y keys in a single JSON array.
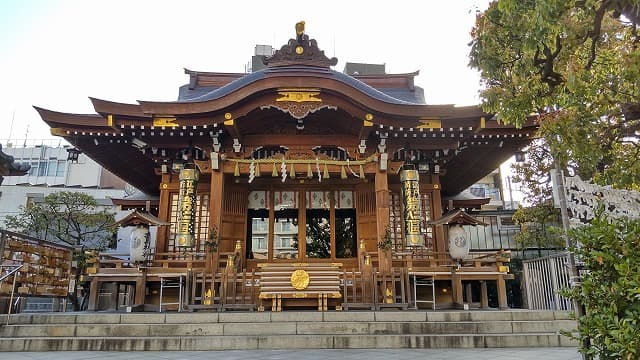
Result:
[
  {"x": 415, "y": 97},
  {"x": 393, "y": 96}
]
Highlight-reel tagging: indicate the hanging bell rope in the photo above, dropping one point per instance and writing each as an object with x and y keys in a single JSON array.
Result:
[
  {"x": 252, "y": 171},
  {"x": 283, "y": 170}
]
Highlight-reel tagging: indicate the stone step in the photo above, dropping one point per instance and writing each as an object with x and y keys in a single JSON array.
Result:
[
  {"x": 194, "y": 343},
  {"x": 284, "y": 330},
  {"x": 287, "y": 328},
  {"x": 285, "y": 316}
]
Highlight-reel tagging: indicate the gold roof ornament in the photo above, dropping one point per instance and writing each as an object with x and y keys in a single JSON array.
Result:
[{"x": 300, "y": 28}]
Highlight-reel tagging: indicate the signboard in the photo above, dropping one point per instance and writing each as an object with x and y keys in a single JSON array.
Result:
[
  {"x": 187, "y": 201},
  {"x": 411, "y": 207}
]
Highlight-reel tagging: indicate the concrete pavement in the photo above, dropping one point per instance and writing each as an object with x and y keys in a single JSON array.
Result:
[{"x": 356, "y": 354}]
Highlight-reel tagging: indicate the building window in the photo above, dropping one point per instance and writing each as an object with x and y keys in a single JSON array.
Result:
[
  {"x": 52, "y": 168},
  {"x": 61, "y": 168},
  {"x": 34, "y": 169},
  {"x": 286, "y": 215},
  {"x": 42, "y": 168}
]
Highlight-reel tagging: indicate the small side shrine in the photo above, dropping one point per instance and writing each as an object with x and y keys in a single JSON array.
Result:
[{"x": 291, "y": 171}]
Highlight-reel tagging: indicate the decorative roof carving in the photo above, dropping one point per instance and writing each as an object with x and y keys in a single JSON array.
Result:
[
  {"x": 299, "y": 110},
  {"x": 300, "y": 51}
]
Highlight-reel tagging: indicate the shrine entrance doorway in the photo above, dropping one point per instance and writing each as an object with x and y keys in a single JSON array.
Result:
[{"x": 303, "y": 224}]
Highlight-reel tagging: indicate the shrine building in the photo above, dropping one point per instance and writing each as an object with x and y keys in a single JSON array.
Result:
[{"x": 296, "y": 185}]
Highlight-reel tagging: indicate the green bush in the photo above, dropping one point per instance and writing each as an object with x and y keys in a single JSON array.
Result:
[{"x": 610, "y": 291}]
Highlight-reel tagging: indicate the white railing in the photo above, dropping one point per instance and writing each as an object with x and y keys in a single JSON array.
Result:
[{"x": 543, "y": 280}]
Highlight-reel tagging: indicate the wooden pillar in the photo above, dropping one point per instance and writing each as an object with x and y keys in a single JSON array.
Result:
[
  {"x": 115, "y": 288},
  {"x": 164, "y": 210},
  {"x": 468, "y": 293},
  {"x": 382, "y": 216},
  {"x": 484, "y": 297},
  {"x": 456, "y": 287},
  {"x": 93, "y": 294},
  {"x": 439, "y": 243},
  {"x": 502, "y": 292},
  {"x": 216, "y": 197},
  {"x": 141, "y": 289}
]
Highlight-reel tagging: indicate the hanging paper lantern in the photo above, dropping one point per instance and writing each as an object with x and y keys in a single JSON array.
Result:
[{"x": 458, "y": 242}]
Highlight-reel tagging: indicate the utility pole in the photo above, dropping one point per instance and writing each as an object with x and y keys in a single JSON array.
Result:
[{"x": 574, "y": 276}]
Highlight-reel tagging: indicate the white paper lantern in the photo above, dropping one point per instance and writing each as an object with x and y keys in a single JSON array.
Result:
[
  {"x": 139, "y": 239},
  {"x": 458, "y": 242}
]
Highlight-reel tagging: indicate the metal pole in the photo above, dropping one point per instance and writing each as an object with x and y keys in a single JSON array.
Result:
[
  {"x": 574, "y": 276},
  {"x": 13, "y": 289}
]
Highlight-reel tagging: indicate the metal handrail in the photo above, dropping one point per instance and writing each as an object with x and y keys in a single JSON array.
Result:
[
  {"x": 13, "y": 288},
  {"x": 17, "y": 267}
]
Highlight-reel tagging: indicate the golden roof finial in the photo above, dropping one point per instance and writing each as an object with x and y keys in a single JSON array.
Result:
[{"x": 300, "y": 28}]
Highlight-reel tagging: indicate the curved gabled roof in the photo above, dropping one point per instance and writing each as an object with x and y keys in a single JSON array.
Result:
[{"x": 264, "y": 73}]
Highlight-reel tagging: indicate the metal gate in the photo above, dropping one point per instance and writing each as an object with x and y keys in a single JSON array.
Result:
[{"x": 543, "y": 279}]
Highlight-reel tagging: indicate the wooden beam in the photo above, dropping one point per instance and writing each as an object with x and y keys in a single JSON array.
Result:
[
  {"x": 299, "y": 140},
  {"x": 231, "y": 126}
]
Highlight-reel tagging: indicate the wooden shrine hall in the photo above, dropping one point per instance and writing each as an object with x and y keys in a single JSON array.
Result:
[{"x": 297, "y": 185}]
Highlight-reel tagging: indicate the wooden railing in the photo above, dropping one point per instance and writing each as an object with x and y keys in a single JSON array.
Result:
[{"x": 221, "y": 291}]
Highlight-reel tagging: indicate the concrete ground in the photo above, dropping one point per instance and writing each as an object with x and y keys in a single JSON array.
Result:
[{"x": 362, "y": 354}]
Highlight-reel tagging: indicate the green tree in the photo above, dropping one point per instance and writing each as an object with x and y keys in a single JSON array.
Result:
[
  {"x": 610, "y": 291},
  {"x": 538, "y": 228},
  {"x": 574, "y": 67},
  {"x": 70, "y": 217}
]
